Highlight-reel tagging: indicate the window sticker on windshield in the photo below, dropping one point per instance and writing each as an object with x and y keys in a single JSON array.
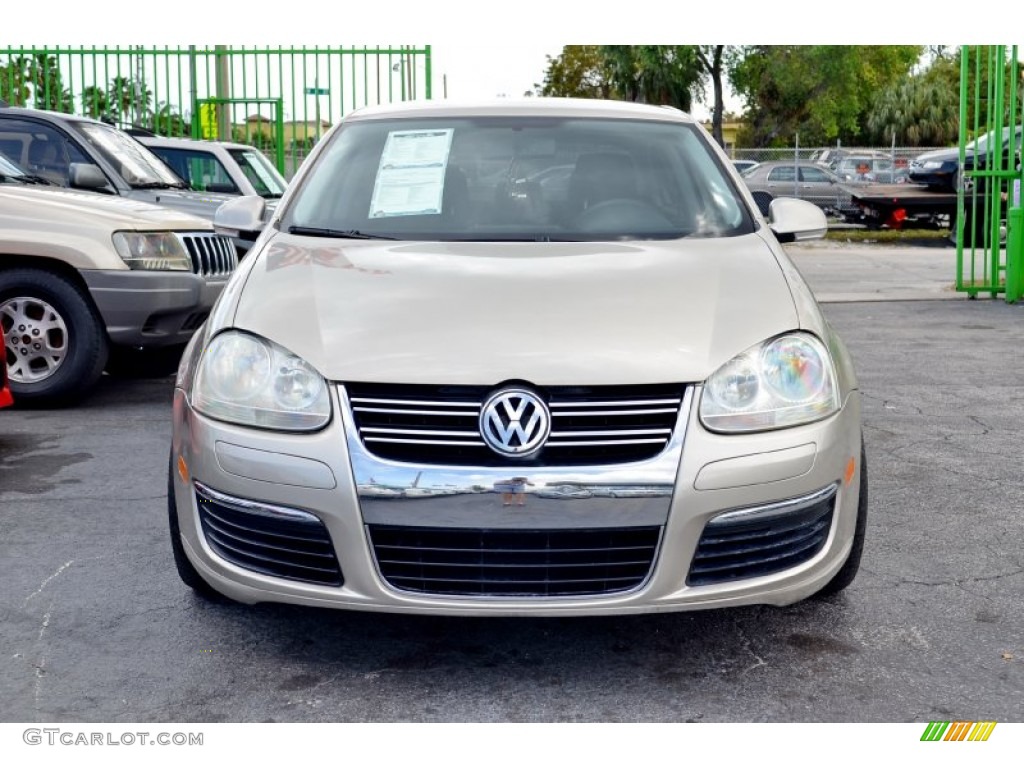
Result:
[{"x": 410, "y": 177}]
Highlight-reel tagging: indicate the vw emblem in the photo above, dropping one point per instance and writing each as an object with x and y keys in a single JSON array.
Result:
[{"x": 515, "y": 422}]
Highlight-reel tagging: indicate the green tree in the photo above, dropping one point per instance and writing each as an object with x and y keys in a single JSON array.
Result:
[
  {"x": 712, "y": 63},
  {"x": 166, "y": 121},
  {"x": 578, "y": 71},
  {"x": 14, "y": 81},
  {"x": 95, "y": 101},
  {"x": 821, "y": 92},
  {"x": 48, "y": 85},
  {"x": 918, "y": 112},
  {"x": 653, "y": 74},
  {"x": 130, "y": 99}
]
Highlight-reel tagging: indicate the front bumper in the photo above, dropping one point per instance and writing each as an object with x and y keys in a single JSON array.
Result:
[
  {"x": 934, "y": 177},
  {"x": 152, "y": 309},
  {"x": 325, "y": 475}
]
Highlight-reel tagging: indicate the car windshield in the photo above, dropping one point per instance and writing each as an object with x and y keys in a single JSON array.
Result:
[
  {"x": 984, "y": 141},
  {"x": 518, "y": 178},
  {"x": 261, "y": 174},
  {"x": 134, "y": 162},
  {"x": 7, "y": 168}
]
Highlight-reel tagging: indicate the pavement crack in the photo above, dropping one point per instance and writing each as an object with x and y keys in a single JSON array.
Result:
[
  {"x": 47, "y": 580},
  {"x": 117, "y": 497},
  {"x": 746, "y": 644},
  {"x": 981, "y": 424},
  {"x": 39, "y": 666},
  {"x": 960, "y": 582}
]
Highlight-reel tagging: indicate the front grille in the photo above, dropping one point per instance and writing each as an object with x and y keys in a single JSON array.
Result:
[
  {"x": 743, "y": 549},
  {"x": 589, "y": 425},
  {"x": 514, "y": 563},
  {"x": 290, "y": 544},
  {"x": 212, "y": 255}
]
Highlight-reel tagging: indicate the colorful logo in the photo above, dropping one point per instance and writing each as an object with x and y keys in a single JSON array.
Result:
[{"x": 958, "y": 731}]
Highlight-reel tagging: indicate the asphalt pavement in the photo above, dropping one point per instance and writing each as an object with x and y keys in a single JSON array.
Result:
[{"x": 95, "y": 626}]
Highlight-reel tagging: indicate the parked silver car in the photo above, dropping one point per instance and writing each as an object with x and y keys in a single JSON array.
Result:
[
  {"x": 802, "y": 180},
  {"x": 615, "y": 397}
]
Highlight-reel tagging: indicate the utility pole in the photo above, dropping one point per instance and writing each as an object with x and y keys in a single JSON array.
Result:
[{"x": 223, "y": 92}]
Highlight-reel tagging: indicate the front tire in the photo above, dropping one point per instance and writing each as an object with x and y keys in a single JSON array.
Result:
[
  {"x": 186, "y": 571},
  {"x": 54, "y": 341}
]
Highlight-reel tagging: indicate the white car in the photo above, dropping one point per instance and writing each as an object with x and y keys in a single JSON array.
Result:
[
  {"x": 420, "y": 312},
  {"x": 219, "y": 166}
]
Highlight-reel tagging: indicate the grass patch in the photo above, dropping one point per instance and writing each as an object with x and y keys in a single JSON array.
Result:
[{"x": 886, "y": 235}]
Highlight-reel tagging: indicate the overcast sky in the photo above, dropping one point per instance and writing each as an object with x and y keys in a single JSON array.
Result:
[{"x": 485, "y": 49}]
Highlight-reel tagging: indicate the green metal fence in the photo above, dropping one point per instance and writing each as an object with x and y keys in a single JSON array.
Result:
[
  {"x": 281, "y": 99},
  {"x": 989, "y": 236}
]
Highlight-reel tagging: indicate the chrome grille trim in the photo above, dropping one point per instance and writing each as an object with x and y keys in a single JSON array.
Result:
[
  {"x": 566, "y": 443},
  {"x": 667, "y": 401},
  {"x": 212, "y": 255},
  {"x": 387, "y": 401},
  {"x": 609, "y": 424},
  {"x": 444, "y": 486},
  {"x": 413, "y": 441},
  {"x": 410, "y": 412}
]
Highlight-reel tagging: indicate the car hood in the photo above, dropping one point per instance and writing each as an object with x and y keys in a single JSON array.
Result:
[
  {"x": 950, "y": 155},
  {"x": 76, "y": 211},
  {"x": 546, "y": 313},
  {"x": 201, "y": 204}
]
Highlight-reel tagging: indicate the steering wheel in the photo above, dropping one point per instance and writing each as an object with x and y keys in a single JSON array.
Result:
[{"x": 622, "y": 214}]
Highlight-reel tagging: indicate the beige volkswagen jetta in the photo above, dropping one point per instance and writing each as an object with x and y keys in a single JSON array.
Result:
[{"x": 512, "y": 358}]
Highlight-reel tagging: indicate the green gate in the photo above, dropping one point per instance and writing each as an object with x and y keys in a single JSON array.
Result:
[
  {"x": 989, "y": 231},
  {"x": 284, "y": 98}
]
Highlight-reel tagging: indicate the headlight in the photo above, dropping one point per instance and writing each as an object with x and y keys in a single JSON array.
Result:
[
  {"x": 251, "y": 381},
  {"x": 783, "y": 382},
  {"x": 152, "y": 250}
]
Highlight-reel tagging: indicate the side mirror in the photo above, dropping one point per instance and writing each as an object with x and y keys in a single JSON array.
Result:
[
  {"x": 241, "y": 215},
  {"x": 792, "y": 220},
  {"x": 86, "y": 176}
]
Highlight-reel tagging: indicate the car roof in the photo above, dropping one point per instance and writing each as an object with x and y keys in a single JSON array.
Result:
[
  {"x": 556, "y": 107},
  {"x": 49, "y": 115},
  {"x": 774, "y": 163},
  {"x": 168, "y": 141}
]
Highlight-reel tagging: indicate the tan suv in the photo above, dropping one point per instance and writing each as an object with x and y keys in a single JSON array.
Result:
[{"x": 88, "y": 282}]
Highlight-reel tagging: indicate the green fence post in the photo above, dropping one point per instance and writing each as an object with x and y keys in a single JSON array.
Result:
[{"x": 1014, "y": 255}]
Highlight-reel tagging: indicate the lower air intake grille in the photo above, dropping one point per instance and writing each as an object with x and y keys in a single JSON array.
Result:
[
  {"x": 279, "y": 542},
  {"x": 514, "y": 563},
  {"x": 743, "y": 549}
]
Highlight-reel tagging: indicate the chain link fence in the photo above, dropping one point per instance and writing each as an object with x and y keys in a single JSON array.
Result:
[{"x": 882, "y": 164}]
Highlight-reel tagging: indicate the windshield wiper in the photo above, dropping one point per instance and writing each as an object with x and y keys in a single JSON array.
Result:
[
  {"x": 160, "y": 185},
  {"x": 25, "y": 178},
  {"x": 346, "y": 234}
]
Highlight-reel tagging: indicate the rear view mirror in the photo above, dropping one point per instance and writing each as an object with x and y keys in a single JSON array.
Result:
[
  {"x": 241, "y": 215},
  {"x": 792, "y": 220},
  {"x": 86, "y": 176}
]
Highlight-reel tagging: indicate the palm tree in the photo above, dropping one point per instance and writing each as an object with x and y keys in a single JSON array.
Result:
[
  {"x": 95, "y": 101},
  {"x": 131, "y": 99},
  {"x": 919, "y": 112}
]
